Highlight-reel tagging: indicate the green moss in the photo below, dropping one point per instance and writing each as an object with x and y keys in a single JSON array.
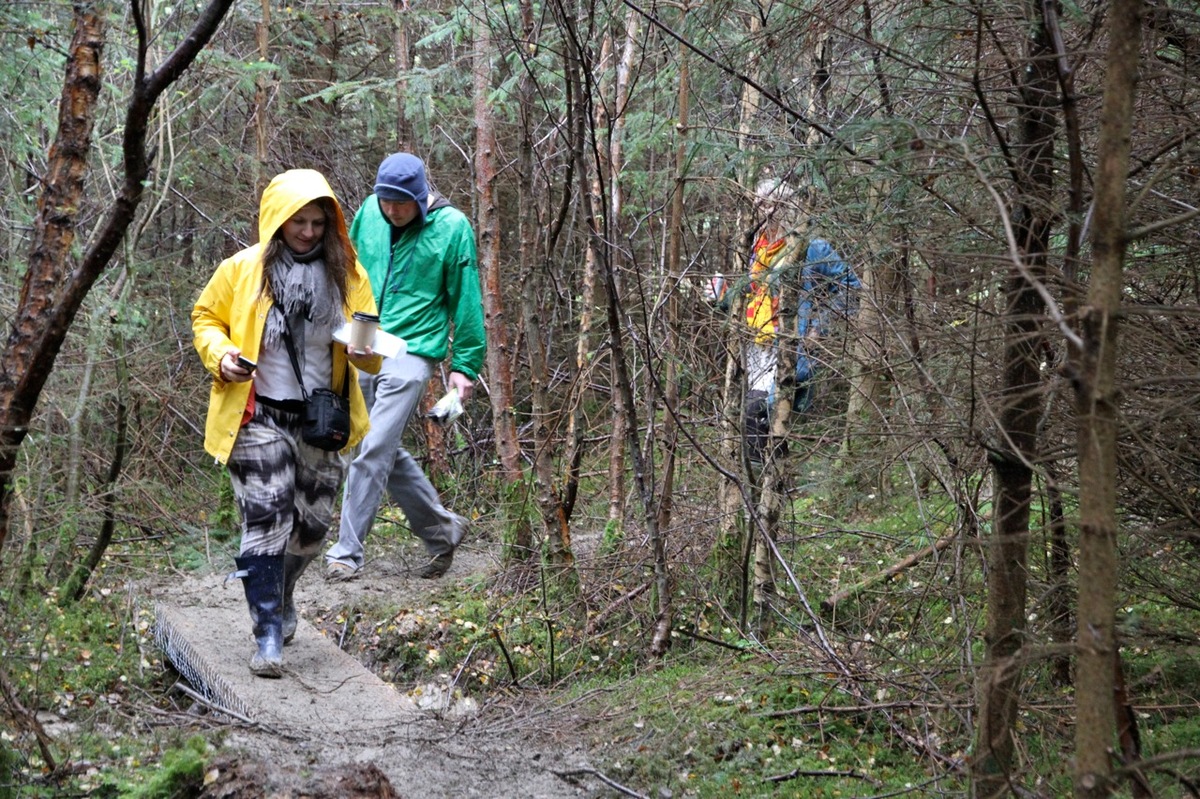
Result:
[{"x": 180, "y": 775}]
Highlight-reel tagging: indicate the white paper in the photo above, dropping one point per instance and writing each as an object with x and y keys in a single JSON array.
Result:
[
  {"x": 385, "y": 343},
  {"x": 447, "y": 409}
]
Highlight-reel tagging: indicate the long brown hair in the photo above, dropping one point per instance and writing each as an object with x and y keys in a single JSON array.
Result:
[{"x": 338, "y": 256}]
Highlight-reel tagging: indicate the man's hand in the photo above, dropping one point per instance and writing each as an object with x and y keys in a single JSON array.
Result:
[{"x": 464, "y": 384}]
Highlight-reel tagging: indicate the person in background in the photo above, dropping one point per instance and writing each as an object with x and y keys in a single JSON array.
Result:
[
  {"x": 420, "y": 254},
  {"x": 823, "y": 285},
  {"x": 300, "y": 281}
]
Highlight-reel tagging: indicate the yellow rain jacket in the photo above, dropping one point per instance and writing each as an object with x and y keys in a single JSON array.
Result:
[
  {"x": 762, "y": 298},
  {"x": 231, "y": 313}
]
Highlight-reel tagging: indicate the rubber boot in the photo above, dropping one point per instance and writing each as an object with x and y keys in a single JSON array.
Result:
[
  {"x": 293, "y": 567},
  {"x": 264, "y": 594}
]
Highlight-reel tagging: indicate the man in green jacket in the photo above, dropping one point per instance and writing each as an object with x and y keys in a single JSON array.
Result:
[{"x": 419, "y": 252}]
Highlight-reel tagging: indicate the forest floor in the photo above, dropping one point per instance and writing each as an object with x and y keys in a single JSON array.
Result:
[{"x": 424, "y": 740}]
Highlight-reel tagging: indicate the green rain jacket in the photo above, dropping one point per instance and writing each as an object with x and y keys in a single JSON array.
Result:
[{"x": 424, "y": 278}]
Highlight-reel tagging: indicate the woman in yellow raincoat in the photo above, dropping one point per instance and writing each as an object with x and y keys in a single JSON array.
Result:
[{"x": 265, "y": 320}]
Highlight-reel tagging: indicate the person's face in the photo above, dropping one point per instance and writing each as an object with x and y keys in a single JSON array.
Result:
[
  {"x": 305, "y": 229},
  {"x": 399, "y": 212}
]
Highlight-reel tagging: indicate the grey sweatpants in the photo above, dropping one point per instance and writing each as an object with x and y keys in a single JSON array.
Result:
[{"x": 381, "y": 463}]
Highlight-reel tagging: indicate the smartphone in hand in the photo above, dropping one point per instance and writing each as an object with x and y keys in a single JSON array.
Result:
[{"x": 246, "y": 363}]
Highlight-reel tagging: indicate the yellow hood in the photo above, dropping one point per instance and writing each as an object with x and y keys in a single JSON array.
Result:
[{"x": 286, "y": 194}]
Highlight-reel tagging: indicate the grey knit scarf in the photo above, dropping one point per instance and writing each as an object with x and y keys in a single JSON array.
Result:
[{"x": 302, "y": 295}]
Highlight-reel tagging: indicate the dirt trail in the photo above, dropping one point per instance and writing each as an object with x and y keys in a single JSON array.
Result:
[{"x": 328, "y": 722}]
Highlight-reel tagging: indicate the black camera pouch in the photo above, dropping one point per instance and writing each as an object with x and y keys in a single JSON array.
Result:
[
  {"x": 326, "y": 423},
  {"x": 326, "y": 420}
]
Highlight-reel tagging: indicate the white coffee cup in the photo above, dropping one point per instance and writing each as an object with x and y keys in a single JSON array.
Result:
[{"x": 362, "y": 330}]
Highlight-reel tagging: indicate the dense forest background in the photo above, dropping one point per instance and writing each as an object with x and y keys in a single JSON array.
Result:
[{"x": 984, "y": 533}]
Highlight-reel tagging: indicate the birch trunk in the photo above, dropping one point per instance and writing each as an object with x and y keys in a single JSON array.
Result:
[{"x": 616, "y": 449}]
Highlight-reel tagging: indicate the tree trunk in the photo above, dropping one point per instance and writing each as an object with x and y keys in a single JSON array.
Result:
[
  {"x": 404, "y": 142},
  {"x": 1096, "y": 406},
  {"x": 23, "y": 370},
  {"x": 670, "y": 351},
  {"x": 593, "y": 178},
  {"x": 1060, "y": 600},
  {"x": 619, "y": 417},
  {"x": 262, "y": 98},
  {"x": 733, "y": 539},
  {"x": 880, "y": 288},
  {"x": 1014, "y": 449},
  {"x": 499, "y": 350},
  {"x": 879, "y": 294},
  {"x": 554, "y": 518},
  {"x": 76, "y": 585},
  {"x": 52, "y": 293},
  {"x": 643, "y": 480},
  {"x": 520, "y": 546}
]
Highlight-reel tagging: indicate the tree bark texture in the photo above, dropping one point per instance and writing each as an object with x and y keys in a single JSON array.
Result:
[
  {"x": 734, "y": 541},
  {"x": 555, "y": 517},
  {"x": 404, "y": 135},
  {"x": 593, "y": 171},
  {"x": 262, "y": 95},
  {"x": 499, "y": 350},
  {"x": 32, "y": 346},
  {"x": 521, "y": 545},
  {"x": 1096, "y": 406},
  {"x": 1020, "y": 402},
  {"x": 76, "y": 588},
  {"x": 671, "y": 343},
  {"x": 616, "y": 161},
  {"x": 52, "y": 291}
]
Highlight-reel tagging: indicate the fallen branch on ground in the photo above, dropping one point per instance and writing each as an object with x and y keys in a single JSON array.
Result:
[
  {"x": 831, "y": 602},
  {"x": 591, "y": 772},
  {"x": 791, "y": 775}
]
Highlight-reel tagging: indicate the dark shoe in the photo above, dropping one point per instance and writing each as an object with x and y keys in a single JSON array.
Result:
[
  {"x": 437, "y": 566},
  {"x": 263, "y": 583},
  {"x": 293, "y": 567}
]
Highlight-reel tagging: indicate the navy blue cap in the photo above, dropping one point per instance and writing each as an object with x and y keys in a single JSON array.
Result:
[{"x": 401, "y": 178}]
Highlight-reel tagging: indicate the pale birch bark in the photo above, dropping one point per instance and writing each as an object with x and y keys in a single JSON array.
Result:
[{"x": 616, "y": 458}]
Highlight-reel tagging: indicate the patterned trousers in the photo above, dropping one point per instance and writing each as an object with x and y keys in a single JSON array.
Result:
[{"x": 285, "y": 489}]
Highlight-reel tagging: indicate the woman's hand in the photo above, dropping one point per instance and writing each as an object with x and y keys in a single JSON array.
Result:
[
  {"x": 230, "y": 371},
  {"x": 360, "y": 358}
]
